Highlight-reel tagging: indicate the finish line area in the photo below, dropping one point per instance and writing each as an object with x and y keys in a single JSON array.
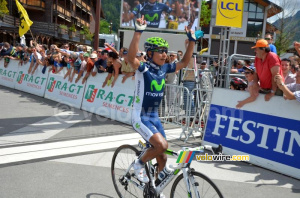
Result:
[{"x": 42, "y": 141}]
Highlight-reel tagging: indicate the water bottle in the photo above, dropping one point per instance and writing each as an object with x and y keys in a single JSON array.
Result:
[{"x": 163, "y": 174}]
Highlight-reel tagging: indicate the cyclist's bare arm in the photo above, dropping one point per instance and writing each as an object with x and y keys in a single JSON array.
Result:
[
  {"x": 187, "y": 55},
  {"x": 134, "y": 47}
]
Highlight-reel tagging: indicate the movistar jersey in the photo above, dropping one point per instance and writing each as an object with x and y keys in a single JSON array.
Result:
[
  {"x": 149, "y": 86},
  {"x": 151, "y": 12}
]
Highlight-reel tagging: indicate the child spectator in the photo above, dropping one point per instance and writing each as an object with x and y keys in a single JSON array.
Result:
[
  {"x": 238, "y": 84},
  {"x": 253, "y": 87}
]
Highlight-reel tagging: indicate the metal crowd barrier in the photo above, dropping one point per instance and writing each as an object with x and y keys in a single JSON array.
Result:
[
  {"x": 173, "y": 108},
  {"x": 188, "y": 110}
]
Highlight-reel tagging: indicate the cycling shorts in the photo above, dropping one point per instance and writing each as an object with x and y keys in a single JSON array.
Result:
[{"x": 147, "y": 126}]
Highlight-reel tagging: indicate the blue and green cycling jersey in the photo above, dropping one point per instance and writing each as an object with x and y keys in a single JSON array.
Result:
[
  {"x": 149, "y": 86},
  {"x": 151, "y": 12}
]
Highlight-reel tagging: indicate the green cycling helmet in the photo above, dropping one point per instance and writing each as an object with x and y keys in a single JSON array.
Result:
[{"x": 155, "y": 42}]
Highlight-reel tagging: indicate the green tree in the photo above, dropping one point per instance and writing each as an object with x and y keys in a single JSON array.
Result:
[
  {"x": 104, "y": 27},
  {"x": 287, "y": 25},
  {"x": 3, "y": 8},
  {"x": 205, "y": 14}
]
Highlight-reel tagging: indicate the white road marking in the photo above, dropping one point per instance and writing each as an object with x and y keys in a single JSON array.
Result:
[
  {"x": 46, "y": 128},
  {"x": 38, "y": 151}
]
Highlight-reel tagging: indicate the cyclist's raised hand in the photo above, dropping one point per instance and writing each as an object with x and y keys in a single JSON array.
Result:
[{"x": 140, "y": 24}]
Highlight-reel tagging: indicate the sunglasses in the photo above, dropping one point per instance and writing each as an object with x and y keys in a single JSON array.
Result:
[
  {"x": 267, "y": 39},
  {"x": 160, "y": 51},
  {"x": 99, "y": 51},
  {"x": 247, "y": 72},
  {"x": 172, "y": 55}
]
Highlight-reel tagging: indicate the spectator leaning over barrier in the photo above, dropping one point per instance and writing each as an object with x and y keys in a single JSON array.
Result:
[
  {"x": 101, "y": 64},
  {"x": 75, "y": 62},
  {"x": 110, "y": 71},
  {"x": 89, "y": 65},
  {"x": 8, "y": 52},
  {"x": 253, "y": 87},
  {"x": 287, "y": 74},
  {"x": 238, "y": 84},
  {"x": 269, "y": 38},
  {"x": 19, "y": 54},
  {"x": 126, "y": 68},
  {"x": 36, "y": 60},
  {"x": 82, "y": 66},
  {"x": 267, "y": 65},
  {"x": 290, "y": 91},
  {"x": 113, "y": 57}
]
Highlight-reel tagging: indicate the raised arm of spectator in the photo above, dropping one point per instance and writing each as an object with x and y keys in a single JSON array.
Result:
[{"x": 112, "y": 48}]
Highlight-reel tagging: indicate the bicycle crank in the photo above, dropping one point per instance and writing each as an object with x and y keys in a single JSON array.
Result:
[{"x": 149, "y": 192}]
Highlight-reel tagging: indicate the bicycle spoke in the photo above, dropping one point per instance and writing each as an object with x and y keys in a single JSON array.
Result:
[
  {"x": 122, "y": 160},
  {"x": 205, "y": 187}
]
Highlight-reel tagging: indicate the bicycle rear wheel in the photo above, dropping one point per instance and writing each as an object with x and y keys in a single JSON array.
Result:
[
  {"x": 205, "y": 187},
  {"x": 124, "y": 181}
]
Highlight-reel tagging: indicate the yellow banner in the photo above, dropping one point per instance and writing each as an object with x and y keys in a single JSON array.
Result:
[
  {"x": 230, "y": 13},
  {"x": 25, "y": 22}
]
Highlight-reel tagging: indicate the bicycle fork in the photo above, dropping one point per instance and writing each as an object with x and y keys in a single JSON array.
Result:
[{"x": 190, "y": 180}]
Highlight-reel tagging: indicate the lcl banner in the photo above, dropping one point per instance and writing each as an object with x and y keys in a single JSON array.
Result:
[
  {"x": 229, "y": 13},
  {"x": 267, "y": 131}
]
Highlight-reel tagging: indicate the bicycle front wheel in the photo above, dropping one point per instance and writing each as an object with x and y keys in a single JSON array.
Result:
[
  {"x": 205, "y": 188},
  {"x": 123, "y": 178}
]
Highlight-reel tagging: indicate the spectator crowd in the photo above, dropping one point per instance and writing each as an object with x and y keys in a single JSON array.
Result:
[{"x": 267, "y": 74}]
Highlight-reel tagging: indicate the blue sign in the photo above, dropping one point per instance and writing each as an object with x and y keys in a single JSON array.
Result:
[{"x": 270, "y": 137}]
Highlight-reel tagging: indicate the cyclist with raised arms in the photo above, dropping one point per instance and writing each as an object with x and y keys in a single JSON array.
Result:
[
  {"x": 149, "y": 87},
  {"x": 152, "y": 11}
]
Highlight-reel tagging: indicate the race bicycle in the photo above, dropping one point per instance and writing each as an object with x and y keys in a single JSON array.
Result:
[{"x": 189, "y": 184}]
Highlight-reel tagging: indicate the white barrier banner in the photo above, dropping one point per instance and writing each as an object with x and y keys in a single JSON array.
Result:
[
  {"x": 63, "y": 91},
  {"x": 269, "y": 132},
  {"x": 32, "y": 83},
  {"x": 111, "y": 102},
  {"x": 9, "y": 74}
]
